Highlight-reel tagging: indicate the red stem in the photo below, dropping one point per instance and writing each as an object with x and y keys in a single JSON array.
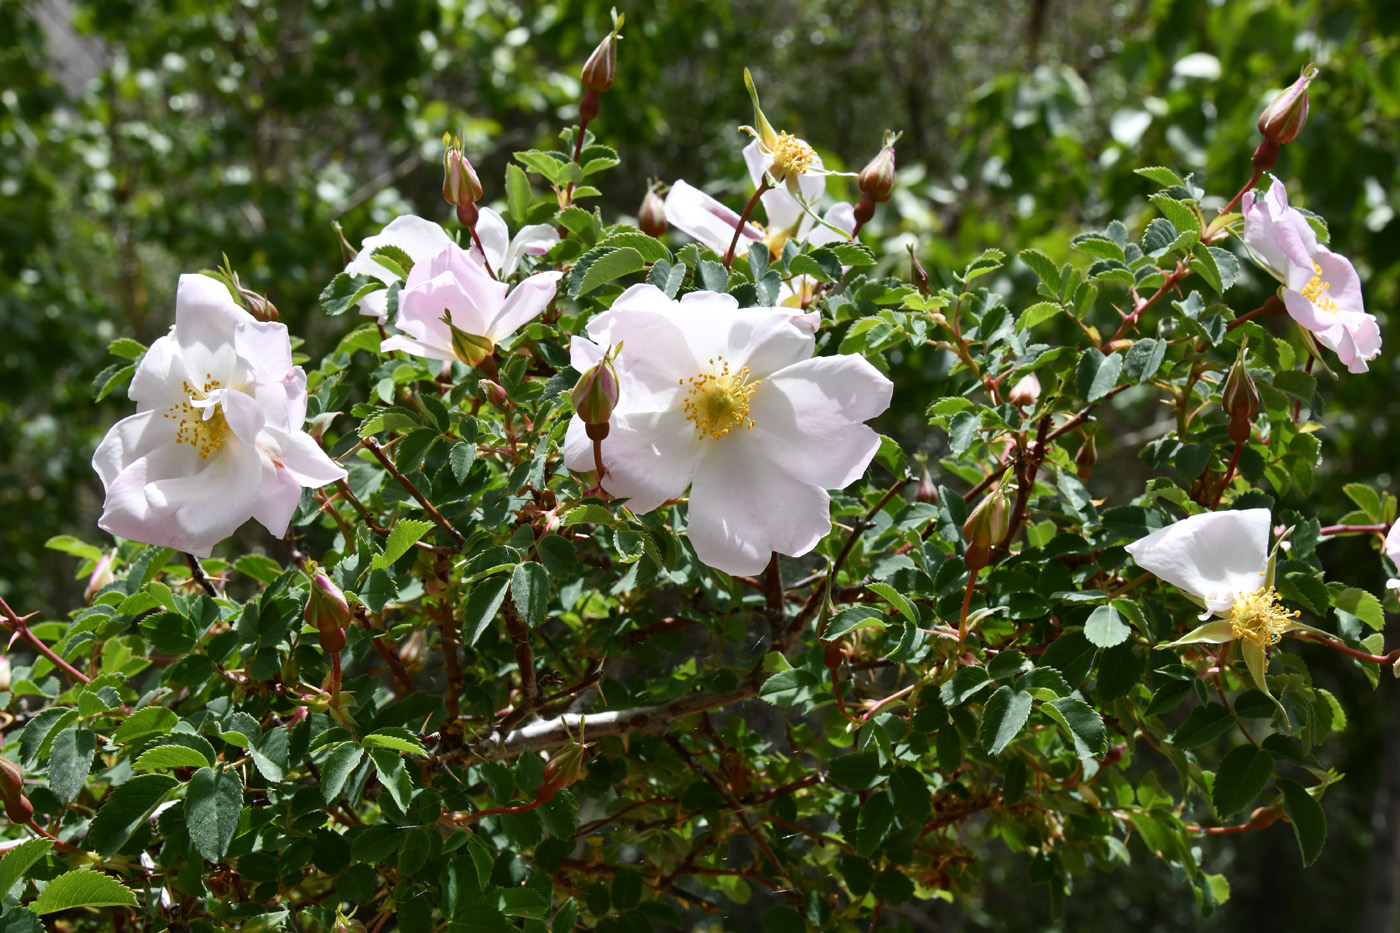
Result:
[
  {"x": 16, "y": 624},
  {"x": 1355, "y": 529},
  {"x": 743, "y": 219}
]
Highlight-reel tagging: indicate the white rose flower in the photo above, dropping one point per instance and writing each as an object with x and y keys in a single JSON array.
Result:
[
  {"x": 730, "y": 402},
  {"x": 216, "y": 438},
  {"x": 1392, "y": 550}
]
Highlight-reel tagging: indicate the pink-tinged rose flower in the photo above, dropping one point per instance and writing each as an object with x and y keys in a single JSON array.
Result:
[
  {"x": 730, "y": 402},
  {"x": 1322, "y": 291},
  {"x": 452, "y": 309},
  {"x": 424, "y": 240},
  {"x": 692, "y": 211},
  {"x": 216, "y": 438}
]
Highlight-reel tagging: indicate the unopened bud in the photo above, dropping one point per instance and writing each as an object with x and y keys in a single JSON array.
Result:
[
  {"x": 1085, "y": 459},
  {"x": 11, "y": 779},
  {"x": 493, "y": 391},
  {"x": 1026, "y": 391},
  {"x": 918, "y": 274},
  {"x": 596, "y": 393},
  {"x": 562, "y": 769},
  {"x": 1283, "y": 119},
  {"x": 342, "y": 925},
  {"x": 101, "y": 576},
  {"x": 258, "y": 305},
  {"x": 1240, "y": 399},
  {"x": 1264, "y": 817},
  {"x": 460, "y": 186},
  {"x": 926, "y": 491},
  {"x": 651, "y": 217},
  {"x": 986, "y": 527},
  {"x": 601, "y": 67},
  {"x": 19, "y": 810},
  {"x": 328, "y": 612},
  {"x": 876, "y": 180}
]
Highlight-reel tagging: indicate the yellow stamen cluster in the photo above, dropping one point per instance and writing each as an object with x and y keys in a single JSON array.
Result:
[
  {"x": 1316, "y": 291},
  {"x": 1259, "y": 617},
  {"x": 791, "y": 156},
  {"x": 205, "y": 435},
  {"x": 718, "y": 400}
]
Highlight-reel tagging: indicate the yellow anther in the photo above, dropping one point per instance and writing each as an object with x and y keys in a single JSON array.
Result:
[
  {"x": 791, "y": 156},
  {"x": 203, "y": 428},
  {"x": 718, "y": 400},
  {"x": 1316, "y": 291},
  {"x": 1259, "y": 617}
]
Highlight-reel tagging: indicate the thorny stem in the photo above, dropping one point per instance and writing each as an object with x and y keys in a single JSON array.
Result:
[
  {"x": 578, "y": 152},
  {"x": 16, "y": 623},
  {"x": 743, "y": 219},
  {"x": 467, "y": 818},
  {"x": 1229, "y": 475},
  {"x": 199, "y": 576},
  {"x": 1381, "y": 659},
  {"x": 966, "y": 604},
  {"x": 485, "y": 263},
  {"x": 1031, "y": 457},
  {"x": 368, "y": 517},
  {"x": 373, "y": 447},
  {"x": 598, "y": 465},
  {"x": 524, "y": 659},
  {"x": 1253, "y": 180},
  {"x": 447, "y": 631},
  {"x": 1272, "y": 306},
  {"x": 1142, "y": 304}
]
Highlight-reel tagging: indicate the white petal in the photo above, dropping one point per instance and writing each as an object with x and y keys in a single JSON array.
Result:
[
  {"x": 300, "y": 457},
  {"x": 208, "y": 506},
  {"x": 491, "y": 229},
  {"x": 1209, "y": 555},
  {"x": 1392, "y": 543},
  {"x": 242, "y": 414},
  {"x": 841, "y": 216},
  {"x": 807, "y": 418},
  {"x": 205, "y": 318},
  {"x": 649, "y": 456},
  {"x": 421, "y": 239},
  {"x": 742, "y": 508},
  {"x": 265, "y": 348},
  {"x": 533, "y": 240},
  {"x": 765, "y": 340},
  {"x": 416, "y": 348},
  {"x": 692, "y": 211},
  {"x": 277, "y": 500},
  {"x": 159, "y": 381}
]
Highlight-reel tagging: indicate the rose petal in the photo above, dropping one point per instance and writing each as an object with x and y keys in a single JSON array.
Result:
[{"x": 1209, "y": 555}]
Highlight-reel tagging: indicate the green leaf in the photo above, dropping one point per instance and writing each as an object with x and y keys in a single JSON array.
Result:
[
  {"x": 609, "y": 266},
  {"x": 876, "y": 818},
  {"x": 1159, "y": 235},
  {"x": 169, "y": 757},
  {"x": 70, "y": 758},
  {"x": 1303, "y": 812},
  {"x": 393, "y": 774},
  {"x": 147, "y": 721},
  {"x": 1144, "y": 359},
  {"x": 1106, "y": 628},
  {"x": 1097, "y": 374},
  {"x": 896, "y": 599},
  {"x": 82, "y": 888},
  {"x": 651, "y": 249},
  {"x": 125, "y": 809},
  {"x": 483, "y": 601},
  {"x": 111, "y": 379},
  {"x": 1006, "y": 713},
  {"x": 911, "y": 796},
  {"x": 18, "y": 860},
  {"x": 169, "y": 633},
  {"x": 1363, "y": 605},
  {"x": 1178, "y": 212},
  {"x": 395, "y": 737},
  {"x": 1366, "y": 498},
  {"x": 518, "y": 194},
  {"x": 858, "y": 771},
  {"x": 336, "y": 771},
  {"x": 1202, "y": 725},
  {"x": 892, "y": 457},
  {"x": 1098, "y": 245},
  {"x": 529, "y": 590},
  {"x": 713, "y": 276},
  {"x": 1082, "y": 722},
  {"x": 1038, "y": 313},
  {"x": 1243, "y": 773},
  {"x": 853, "y": 619},
  {"x": 1044, "y": 268},
  {"x": 963, "y": 685},
  {"x": 213, "y": 802},
  {"x": 1162, "y": 176},
  {"x": 787, "y": 688},
  {"x": 345, "y": 291},
  {"x": 126, "y": 348},
  {"x": 405, "y": 533},
  {"x": 71, "y": 545}
]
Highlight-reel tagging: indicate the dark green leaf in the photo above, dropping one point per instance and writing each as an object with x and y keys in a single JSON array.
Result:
[
  {"x": 483, "y": 601},
  {"x": 1106, "y": 628},
  {"x": 125, "y": 809},
  {"x": 213, "y": 802},
  {"x": 529, "y": 590},
  {"x": 1097, "y": 374},
  {"x": 1243, "y": 773},
  {"x": 1306, "y": 816},
  {"x": 336, "y": 770},
  {"x": 83, "y": 888},
  {"x": 1005, "y": 714},
  {"x": 70, "y": 757}
]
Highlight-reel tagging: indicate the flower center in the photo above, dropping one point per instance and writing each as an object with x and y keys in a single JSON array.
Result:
[
  {"x": 718, "y": 400},
  {"x": 200, "y": 423},
  {"x": 791, "y": 156},
  {"x": 1316, "y": 291},
  {"x": 1259, "y": 617}
]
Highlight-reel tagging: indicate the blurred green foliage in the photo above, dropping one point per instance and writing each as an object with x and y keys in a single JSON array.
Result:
[{"x": 140, "y": 138}]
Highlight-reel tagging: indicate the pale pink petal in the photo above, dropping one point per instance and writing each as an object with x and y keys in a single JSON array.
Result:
[
  {"x": 532, "y": 240},
  {"x": 300, "y": 457},
  {"x": 841, "y": 216},
  {"x": 205, "y": 318},
  {"x": 265, "y": 348},
  {"x": 742, "y": 508},
  {"x": 524, "y": 304},
  {"x": 278, "y": 500},
  {"x": 421, "y": 239},
  {"x": 707, "y": 220},
  {"x": 416, "y": 348},
  {"x": 649, "y": 456},
  {"x": 808, "y": 418},
  {"x": 241, "y": 412},
  {"x": 491, "y": 229},
  {"x": 763, "y": 339},
  {"x": 159, "y": 381}
]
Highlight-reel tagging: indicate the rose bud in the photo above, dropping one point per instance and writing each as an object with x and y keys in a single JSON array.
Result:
[
  {"x": 1086, "y": 457},
  {"x": 11, "y": 779},
  {"x": 494, "y": 392},
  {"x": 1283, "y": 119},
  {"x": 918, "y": 274},
  {"x": 563, "y": 768},
  {"x": 601, "y": 67},
  {"x": 19, "y": 810},
  {"x": 460, "y": 186},
  {"x": 876, "y": 180},
  {"x": 101, "y": 576},
  {"x": 328, "y": 612},
  {"x": 1240, "y": 399},
  {"x": 651, "y": 217},
  {"x": 595, "y": 395},
  {"x": 1026, "y": 392},
  {"x": 986, "y": 527}
]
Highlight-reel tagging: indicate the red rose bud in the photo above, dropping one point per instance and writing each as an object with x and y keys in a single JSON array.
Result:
[
  {"x": 493, "y": 391},
  {"x": 460, "y": 186},
  {"x": 101, "y": 576},
  {"x": 876, "y": 180},
  {"x": 601, "y": 67},
  {"x": 562, "y": 769},
  {"x": 11, "y": 779},
  {"x": 986, "y": 527},
  {"x": 918, "y": 274},
  {"x": 651, "y": 217},
  {"x": 258, "y": 305},
  {"x": 1026, "y": 392},
  {"x": 1240, "y": 399},
  {"x": 1283, "y": 120},
  {"x": 19, "y": 810},
  {"x": 328, "y": 612},
  {"x": 596, "y": 393},
  {"x": 927, "y": 490}
]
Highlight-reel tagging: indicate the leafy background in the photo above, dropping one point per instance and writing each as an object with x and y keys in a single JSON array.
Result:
[{"x": 140, "y": 139}]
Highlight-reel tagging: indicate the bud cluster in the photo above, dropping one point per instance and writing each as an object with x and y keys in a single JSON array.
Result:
[{"x": 986, "y": 527}]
